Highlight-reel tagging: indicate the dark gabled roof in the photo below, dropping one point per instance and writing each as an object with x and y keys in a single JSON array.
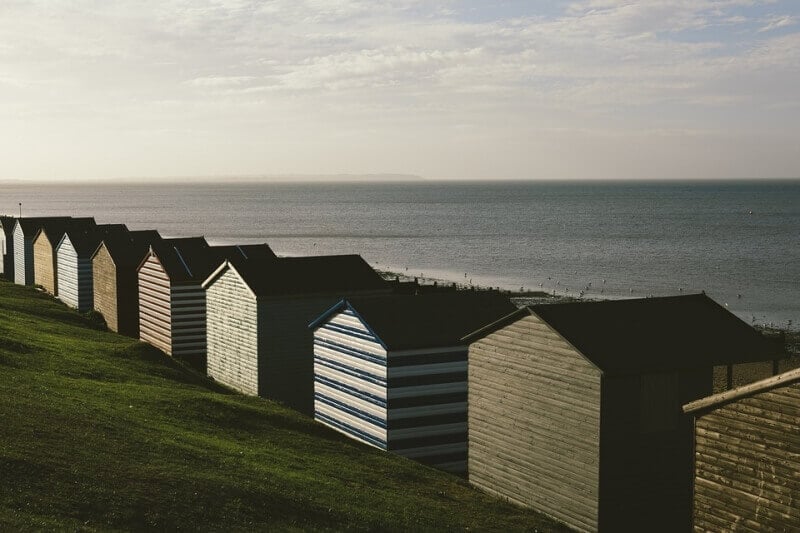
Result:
[
  {"x": 651, "y": 334},
  {"x": 326, "y": 274},
  {"x": 86, "y": 240},
  {"x": 258, "y": 252},
  {"x": 128, "y": 249},
  {"x": 31, "y": 225},
  {"x": 54, "y": 230},
  {"x": 429, "y": 320},
  {"x": 184, "y": 260},
  {"x": 7, "y": 222}
]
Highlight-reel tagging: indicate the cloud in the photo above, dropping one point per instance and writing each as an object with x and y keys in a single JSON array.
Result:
[{"x": 774, "y": 22}]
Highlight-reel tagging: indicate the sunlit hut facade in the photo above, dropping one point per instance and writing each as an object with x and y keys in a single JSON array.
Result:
[
  {"x": 74, "y": 263},
  {"x": 45, "y": 268},
  {"x": 392, "y": 371},
  {"x": 259, "y": 341},
  {"x": 7, "y": 246},
  {"x": 172, "y": 301},
  {"x": 747, "y": 457},
  {"x": 115, "y": 280},
  {"x": 25, "y": 229},
  {"x": 575, "y": 408}
]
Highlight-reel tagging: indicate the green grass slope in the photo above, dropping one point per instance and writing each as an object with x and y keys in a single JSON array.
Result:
[{"x": 99, "y": 432}]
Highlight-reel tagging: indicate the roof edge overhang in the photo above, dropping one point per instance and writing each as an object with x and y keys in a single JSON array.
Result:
[
  {"x": 343, "y": 303},
  {"x": 721, "y": 398},
  {"x": 225, "y": 265},
  {"x": 497, "y": 324}
]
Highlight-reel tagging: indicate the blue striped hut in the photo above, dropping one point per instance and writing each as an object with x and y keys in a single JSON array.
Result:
[
  {"x": 258, "y": 314},
  {"x": 392, "y": 371},
  {"x": 74, "y": 263}
]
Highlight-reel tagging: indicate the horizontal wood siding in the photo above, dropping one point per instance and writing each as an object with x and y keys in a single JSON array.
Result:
[
  {"x": 23, "y": 258},
  {"x": 350, "y": 378},
  {"x": 155, "y": 317},
  {"x": 104, "y": 278},
  {"x": 232, "y": 328},
  {"x": 286, "y": 348},
  {"x": 74, "y": 276},
  {"x": 188, "y": 320},
  {"x": 44, "y": 268},
  {"x": 534, "y": 422},
  {"x": 6, "y": 247},
  {"x": 747, "y": 464},
  {"x": 428, "y": 406}
]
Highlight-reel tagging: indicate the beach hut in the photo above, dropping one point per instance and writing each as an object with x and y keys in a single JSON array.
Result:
[
  {"x": 25, "y": 229},
  {"x": 258, "y": 315},
  {"x": 74, "y": 262},
  {"x": 116, "y": 281},
  {"x": 391, "y": 371},
  {"x": 575, "y": 409},
  {"x": 172, "y": 301},
  {"x": 747, "y": 457},
  {"x": 45, "y": 241},
  {"x": 7, "y": 246}
]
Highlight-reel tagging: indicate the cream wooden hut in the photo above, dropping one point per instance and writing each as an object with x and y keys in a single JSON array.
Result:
[
  {"x": 45, "y": 261},
  {"x": 575, "y": 409},
  {"x": 747, "y": 457},
  {"x": 258, "y": 315},
  {"x": 115, "y": 278}
]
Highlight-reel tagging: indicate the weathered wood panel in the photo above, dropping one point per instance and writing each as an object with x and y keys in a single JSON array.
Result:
[
  {"x": 232, "y": 329},
  {"x": 155, "y": 317},
  {"x": 74, "y": 275},
  {"x": 44, "y": 268},
  {"x": 534, "y": 422},
  {"x": 747, "y": 463},
  {"x": 23, "y": 258},
  {"x": 104, "y": 278}
]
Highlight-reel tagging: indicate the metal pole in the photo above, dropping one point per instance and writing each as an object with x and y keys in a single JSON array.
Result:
[{"x": 20, "y": 210}]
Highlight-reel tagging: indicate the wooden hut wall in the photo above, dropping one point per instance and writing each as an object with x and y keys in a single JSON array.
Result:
[
  {"x": 44, "y": 268},
  {"x": 350, "y": 379},
  {"x": 155, "y": 315},
  {"x": 645, "y": 445},
  {"x": 104, "y": 288},
  {"x": 428, "y": 406},
  {"x": 534, "y": 422},
  {"x": 232, "y": 320},
  {"x": 74, "y": 274},
  {"x": 23, "y": 257},
  {"x": 7, "y": 249},
  {"x": 188, "y": 310},
  {"x": 747, "y": 459}
]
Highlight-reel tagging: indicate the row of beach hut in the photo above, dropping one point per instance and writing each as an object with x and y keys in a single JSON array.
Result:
[{"x": 604, "y": 415}]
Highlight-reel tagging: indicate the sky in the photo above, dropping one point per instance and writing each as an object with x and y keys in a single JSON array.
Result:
[{"x": 478, "y": 89}]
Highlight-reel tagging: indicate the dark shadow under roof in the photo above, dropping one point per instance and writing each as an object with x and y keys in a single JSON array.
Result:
[
  {"x": 428, "y": 320},
  {"x": 308, "y": 275},
  {"x": 31, "y": 225},
  {"x": 653, "y": 334},
  {"x": 7, "y": 222}
]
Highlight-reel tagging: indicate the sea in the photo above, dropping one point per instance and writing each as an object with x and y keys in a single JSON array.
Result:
[{"x": 739, "y": 241}]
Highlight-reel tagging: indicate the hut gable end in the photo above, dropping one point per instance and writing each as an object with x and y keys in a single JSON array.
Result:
[
  {"x": 534, "y": 421},
  {"x": 232, "y": 331},
  {"x": 104, "y": 275},
  {"x": 154, "y": 304}
]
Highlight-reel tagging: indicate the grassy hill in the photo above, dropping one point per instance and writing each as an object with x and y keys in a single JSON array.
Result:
[{"x": 100, "y": 432}]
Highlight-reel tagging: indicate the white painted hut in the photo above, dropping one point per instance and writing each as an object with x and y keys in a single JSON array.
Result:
[
  {"x": 7, "y": 246},
  {"x": 258, "y": 315},
  {"x": 575, "y": 409},
  {"x": 391, "y": 371},
  {"x": 74, "y": 263}
]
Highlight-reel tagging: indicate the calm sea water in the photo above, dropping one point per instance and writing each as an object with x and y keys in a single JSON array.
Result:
[{"x": 624, "y": 239}]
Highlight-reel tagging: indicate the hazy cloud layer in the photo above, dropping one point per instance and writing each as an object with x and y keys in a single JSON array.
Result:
[{"x": 580, "y": 89}]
